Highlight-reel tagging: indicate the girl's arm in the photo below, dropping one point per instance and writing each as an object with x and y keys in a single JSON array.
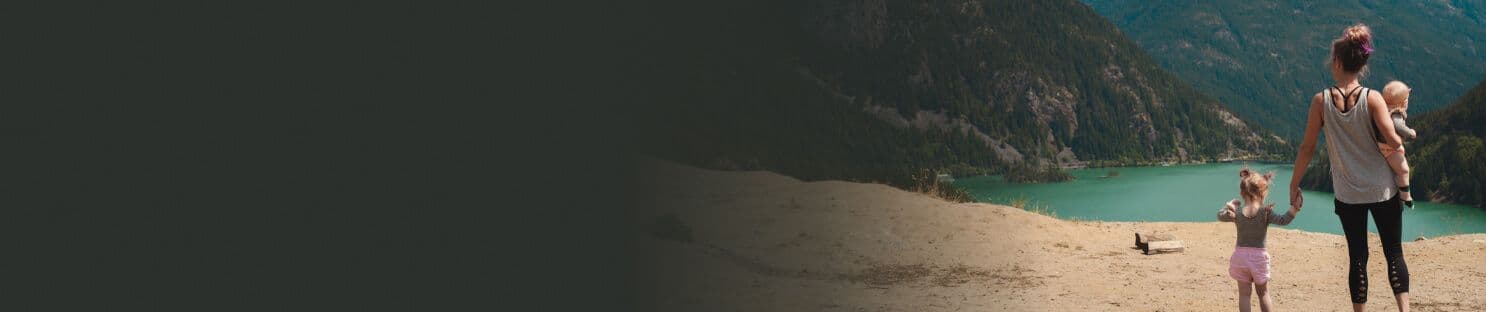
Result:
[
  {"x": 1307, "y": 147},
  {"x": 1283, "y": 219}
]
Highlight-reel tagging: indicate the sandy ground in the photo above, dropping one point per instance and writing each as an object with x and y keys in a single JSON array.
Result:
[{"x": 765, "y": 242}]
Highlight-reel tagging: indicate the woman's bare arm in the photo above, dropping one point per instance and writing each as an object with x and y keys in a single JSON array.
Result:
[{"x": 1307, "y": 147}]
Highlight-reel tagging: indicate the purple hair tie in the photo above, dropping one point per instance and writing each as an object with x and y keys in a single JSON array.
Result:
[{"x": 1367, "y": 48}]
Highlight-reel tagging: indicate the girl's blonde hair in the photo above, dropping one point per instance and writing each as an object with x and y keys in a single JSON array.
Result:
[
  {"x": 1252, "y": 186},
  {"x": 1394, "y": 92}
]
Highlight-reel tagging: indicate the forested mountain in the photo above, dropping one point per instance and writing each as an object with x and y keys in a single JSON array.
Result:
[
  {"x": 870, "y": 90},
  {"x": 1449, "y": 159},
  {"x": 1264, "y": 59}
]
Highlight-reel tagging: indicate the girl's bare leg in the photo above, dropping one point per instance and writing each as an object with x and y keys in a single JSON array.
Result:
[
  {"x": 1243, "y": 296},
  {"x": 1263, "y": 292}
]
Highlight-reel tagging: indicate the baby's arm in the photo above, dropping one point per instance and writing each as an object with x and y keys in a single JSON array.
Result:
[
  {"x": 1227, "y": 213},
  {"x": 1408, "y": 134}
]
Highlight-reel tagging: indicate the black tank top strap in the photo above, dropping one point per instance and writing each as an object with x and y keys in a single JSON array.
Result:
[
  {"x": 1349, "y": 98},
  {"x": 1376, "y": 132}
]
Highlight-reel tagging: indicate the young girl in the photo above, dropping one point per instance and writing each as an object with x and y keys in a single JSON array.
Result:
[
  {"x": 1397, "y": 95},
  {"x": 1250, "y": 262}
]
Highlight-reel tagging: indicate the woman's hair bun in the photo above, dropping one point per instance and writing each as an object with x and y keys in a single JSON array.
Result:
[
  {"x": 1358, "y": 34},
  {"x": 1353, "y": 48}
]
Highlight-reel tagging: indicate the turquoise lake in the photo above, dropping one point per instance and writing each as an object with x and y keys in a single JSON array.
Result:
[{"x": 1194, "y": 193}]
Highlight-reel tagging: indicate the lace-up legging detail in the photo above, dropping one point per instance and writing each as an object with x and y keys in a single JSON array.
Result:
[{"x": 1388, "y": 215}]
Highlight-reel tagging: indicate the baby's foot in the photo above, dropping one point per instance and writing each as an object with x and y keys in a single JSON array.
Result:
[{"x": 1408, "y": 199}]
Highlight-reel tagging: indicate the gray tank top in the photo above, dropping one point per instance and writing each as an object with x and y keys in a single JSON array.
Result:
[{"x": 1359, "y": 174}]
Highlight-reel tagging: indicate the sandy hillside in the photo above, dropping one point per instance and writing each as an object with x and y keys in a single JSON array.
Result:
[{"x": 766, "y": 242}]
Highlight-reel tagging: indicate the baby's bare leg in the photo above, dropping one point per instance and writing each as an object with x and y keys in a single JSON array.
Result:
[{"x": 1400, "y": 164}]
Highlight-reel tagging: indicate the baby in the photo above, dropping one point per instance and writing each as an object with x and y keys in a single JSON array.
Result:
[
  {"x": 1397, "y": 95},
  {"x": 1249, "y": 264}
]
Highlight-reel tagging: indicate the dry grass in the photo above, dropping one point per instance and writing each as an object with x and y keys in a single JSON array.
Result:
[
  {"x": 927, "y": 182},
  {"x": 1021, "y": 202}
]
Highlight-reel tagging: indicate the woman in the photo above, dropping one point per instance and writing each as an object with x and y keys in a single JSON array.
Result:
[{"x": 1355, "y": 119}]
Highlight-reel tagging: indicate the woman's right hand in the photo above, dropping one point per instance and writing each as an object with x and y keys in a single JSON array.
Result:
[{"x": 1296, "y": 200}]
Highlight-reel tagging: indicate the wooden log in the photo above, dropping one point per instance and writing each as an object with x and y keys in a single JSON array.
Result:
[
  {"x": 1142, "y": 240},
  {"x": 1156, "y": 237},
  {"x": 1164, "y": 246}
]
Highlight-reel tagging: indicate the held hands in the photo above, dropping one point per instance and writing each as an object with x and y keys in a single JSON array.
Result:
[{"x": 1296, "y": 201}]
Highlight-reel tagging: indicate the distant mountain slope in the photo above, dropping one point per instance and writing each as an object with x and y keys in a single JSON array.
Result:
[
  {"x": 1265, "y": 59},
  {"x": 834, "y": 89}
]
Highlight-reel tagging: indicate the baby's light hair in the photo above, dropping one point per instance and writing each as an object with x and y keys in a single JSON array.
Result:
[{"x": 1395, "y": 92}]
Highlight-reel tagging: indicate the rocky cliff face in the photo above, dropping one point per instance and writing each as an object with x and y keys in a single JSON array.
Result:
[
  {"x": 1052, "y": 80},
  {"x": 886, "y": 90}
]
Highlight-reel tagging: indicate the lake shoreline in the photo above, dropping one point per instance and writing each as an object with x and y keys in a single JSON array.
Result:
[
  {"x": 1094, "y": 164},
  {"x": 1259, "y": 161},
  {"x": 1182, "y": 193}
]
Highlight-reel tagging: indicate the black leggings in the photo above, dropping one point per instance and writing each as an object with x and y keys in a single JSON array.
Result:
[{"x": 1388, "y": 215}]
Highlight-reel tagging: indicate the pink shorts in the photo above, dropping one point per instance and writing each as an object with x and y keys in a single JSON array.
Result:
[{"x": 1249, "y": 265}]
